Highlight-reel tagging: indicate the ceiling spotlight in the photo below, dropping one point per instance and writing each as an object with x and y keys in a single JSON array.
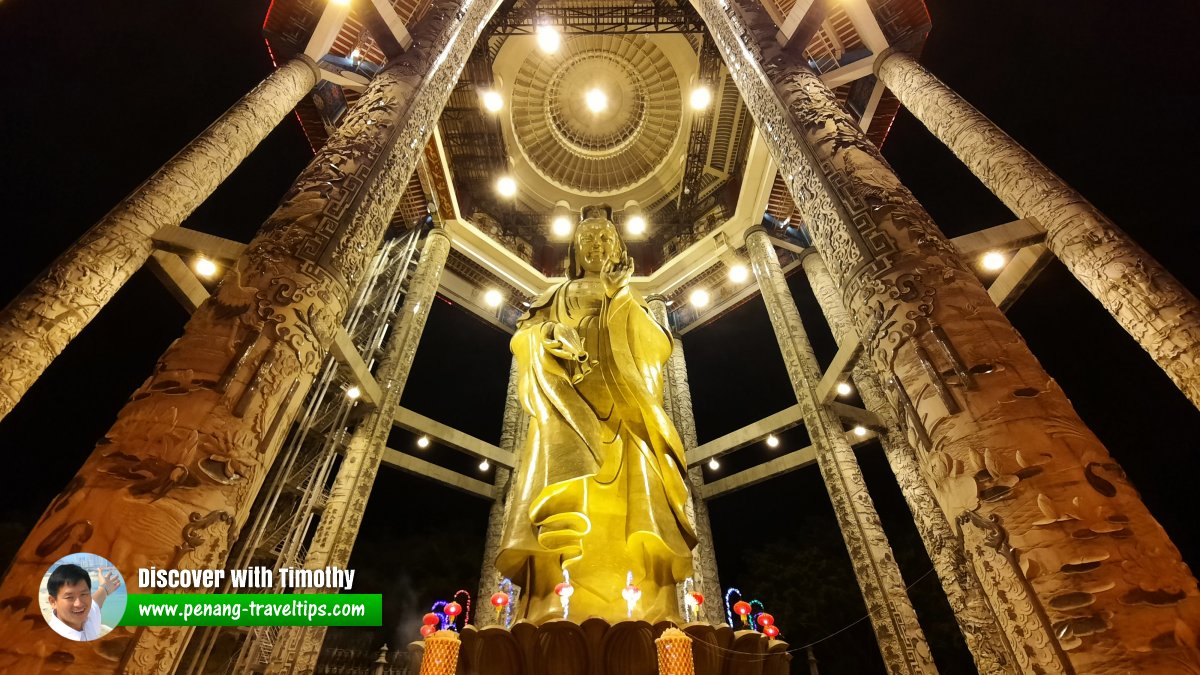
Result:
[
  {"x": 993, "y": 261},
  {"x": 738, "y": 273},
  {"x": 772, "y": 441},
  {"x": 355, "y": 56},
  {"x": 493, "y": 298},
  {"x": 205, "y": 267},
  {"x": 860, "y": 431},
  {"x": 493, "y": 101},
  {"x": 506, "y": 186},
  {"x": 423, "y": 442},
  {"x": 699, "y": 298},
  {"x": 596, "y": 100},
  {"x": 353, "y": 393},
  {"x": 561, "y": 227},
  {"x": 635, "y": 226},
  {"x": 484, "y": 466},
  {"x": 714, "y": 464},
  {"x": 343, "y": 3},
  {"x": 548, "y": 39},
  {"x": 701, "y": 97},
  {"x": 844, "y": 389}
]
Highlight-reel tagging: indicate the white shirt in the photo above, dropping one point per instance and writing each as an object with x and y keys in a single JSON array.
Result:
[{"x": 91, "y": 626}]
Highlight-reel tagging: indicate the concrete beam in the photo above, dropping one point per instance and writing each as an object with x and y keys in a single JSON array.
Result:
[
  {"x": 179, "y": 279},
  {"x": 187, "y": 242},
  {"x": 854, "y": 415},
  {"x": 1006, "y": 237},
  {"x": 797, "y": 459},
  {"x": 847, "y": 355},
  {"x": 425, "y": 469},
  {"x": 326, "y": 32},
  {"x": 849, "y": 73},
  {"x": 1018, "y": 274},
  {"x": 780, "y": 421},
  {"x": 451, "y": 437},
  {"x": 392, "y": 21},
  {"x": 346, "y": 353},
  {"x": 357, "y": 83},
  {"x": 860, "y": 14},
  {"x": 864, "y": 122}
]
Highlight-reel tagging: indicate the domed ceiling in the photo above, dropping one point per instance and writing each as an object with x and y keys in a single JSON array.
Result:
[
  {"x": 632, "y": 148},
  {"x": 605, "y": 151}
]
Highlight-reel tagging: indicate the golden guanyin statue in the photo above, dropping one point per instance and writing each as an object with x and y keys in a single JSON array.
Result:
[{"x": 601, "y": 489}]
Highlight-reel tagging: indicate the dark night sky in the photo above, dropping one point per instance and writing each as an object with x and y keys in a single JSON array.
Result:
[{"x": 102, "y": 93}]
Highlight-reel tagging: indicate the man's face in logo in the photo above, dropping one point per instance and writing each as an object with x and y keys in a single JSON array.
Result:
[{"x": 72, "y": 603}]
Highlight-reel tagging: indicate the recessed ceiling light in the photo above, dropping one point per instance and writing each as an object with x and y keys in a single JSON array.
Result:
[
  {"x": 596, "y": 100},
  {"x": 548, "y": 39}
]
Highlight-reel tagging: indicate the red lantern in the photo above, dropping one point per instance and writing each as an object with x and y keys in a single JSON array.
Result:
[
  {"x": 500, "y": 600},
  {"x": 452, "y": 610},
  {"x": 765, "y": 619},
  {"x": 693, "y": 599},
  {"x": 431, "y": 619},
  {"x": 564, "y": 590},
  {"x": 771, "y": 630},
  {"x": 428, "y": 629}
]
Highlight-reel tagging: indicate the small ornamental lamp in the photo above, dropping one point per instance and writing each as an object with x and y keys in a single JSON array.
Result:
[
  {"x": 675, "y": 653},
  {"x": 564, "y": 590},
  {"x": 500, "y": 601},
  {"x": 743, "y": 609},
  {"x": 428, "y": 629},
  {"x": 765, "y": 620},
  {"x": 452, "y": 610},
  {"x": 431, "y": 619},
  {"x": 693, "y": 600},
  {"x": 631, "y": 593},
  {"x": 771, "y": 630},
  {"x": 441, "y": 653}
]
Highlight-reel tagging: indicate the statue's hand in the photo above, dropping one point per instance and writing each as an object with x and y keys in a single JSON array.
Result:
[
  {"x": 616, "y": 275},
  {"x": 564, "y": 342}
]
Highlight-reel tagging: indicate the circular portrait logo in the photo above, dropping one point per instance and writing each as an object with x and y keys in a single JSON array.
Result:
[{"x": 82, "y": 596}]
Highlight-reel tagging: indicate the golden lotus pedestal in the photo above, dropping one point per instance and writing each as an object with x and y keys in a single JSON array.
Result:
[{"x": 595, "y": 646}]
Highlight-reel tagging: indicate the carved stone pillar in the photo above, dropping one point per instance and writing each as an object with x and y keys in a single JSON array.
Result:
[
  {"x": 1159, "y": 312},
  {"x": 298, "y": 648},
  {"x": 39, "y": 323},
  {"x": 173, "y": 481},
  {"x": 992, "y": 653},
  {"x": 512, "y": 438},
  {"x": 901, "y": 640},
  {"x": 677, "y": 400},
  {"x": 1048, "y": 520}
]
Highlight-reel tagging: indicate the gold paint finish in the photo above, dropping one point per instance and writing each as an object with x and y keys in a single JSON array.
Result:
[{"x": 601, "y": 489}]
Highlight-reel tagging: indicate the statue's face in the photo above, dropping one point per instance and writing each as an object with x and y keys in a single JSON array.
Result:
[{"x": 596, "y": 241}]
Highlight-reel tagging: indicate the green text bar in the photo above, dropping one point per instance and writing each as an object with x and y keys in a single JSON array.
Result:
[{"x": 248, "y": 609}]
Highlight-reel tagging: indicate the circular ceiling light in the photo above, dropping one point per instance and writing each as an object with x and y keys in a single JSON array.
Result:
[
  {"x": 738, "y": 274},
  {"x": 701, "y": 97},
  {"x": 596, "y": 100},
  {"x": 493, "y": 298},
  {"x": 699, "y": 298},
  {"x": 993, "y": 261},
  {"x": 635, "y": 226},
  {"x": 561, "y": 227},
  {"x": 493, "y": 101},
  {"x": 548, "y": 39},
  {"x": 205, "y": 267},
  {"x": 506, "y": 186}
]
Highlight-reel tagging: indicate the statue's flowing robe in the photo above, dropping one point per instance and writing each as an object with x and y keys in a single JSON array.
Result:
[{"x": 594, "y": 431}]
